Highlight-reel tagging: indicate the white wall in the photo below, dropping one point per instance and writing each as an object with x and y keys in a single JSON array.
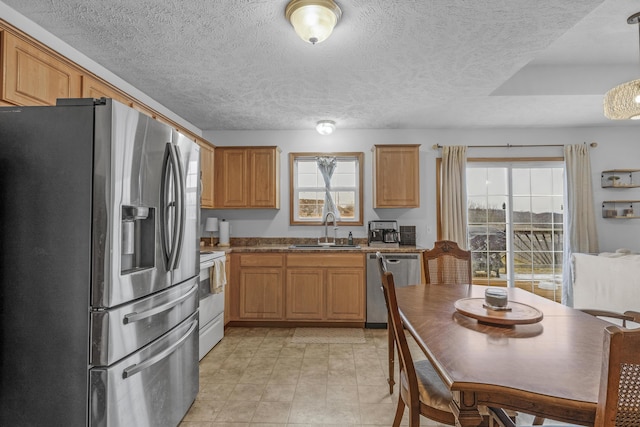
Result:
[{"x": 616, "y": 149}]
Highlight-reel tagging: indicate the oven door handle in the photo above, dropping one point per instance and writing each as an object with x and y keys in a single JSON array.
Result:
[
  {"x": 134, "y": 317},
  {"x": 134, "y": 369}
]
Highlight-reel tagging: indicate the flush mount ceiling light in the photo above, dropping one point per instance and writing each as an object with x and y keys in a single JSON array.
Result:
[
  {"x": 623, "y": 101},
  {"x": 326, "y": 127},
  {"x": 313, "y": 20}
]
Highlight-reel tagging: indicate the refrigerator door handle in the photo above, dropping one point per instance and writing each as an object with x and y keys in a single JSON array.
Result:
[
  {"x": 171, "y": 206},
  {"x": 180, "y": 203},
  {"x": 134, "y": 317},
  {"x": 138, "y": 367}
]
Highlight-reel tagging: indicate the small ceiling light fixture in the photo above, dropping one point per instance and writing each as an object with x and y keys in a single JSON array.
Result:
[
  {"x": 623, "y": 101},
  {"x": 313, "y": 20},
  {"x": 326, "y": 127}
]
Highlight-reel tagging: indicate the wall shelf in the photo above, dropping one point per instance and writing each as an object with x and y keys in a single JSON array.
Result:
[
  {"x": 620, "y": 178},
  {"x": 621, "y": 209}
]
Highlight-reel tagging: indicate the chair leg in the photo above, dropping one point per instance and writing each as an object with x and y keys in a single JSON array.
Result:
[
  {"x": 399, "y": 412},
  {"x": 391, "y": 344},
  {"x": 538, "y": 421},
  {"x": 414, "y": 417}
]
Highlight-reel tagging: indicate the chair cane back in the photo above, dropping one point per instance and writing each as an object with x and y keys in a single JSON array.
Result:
[{"x": 447, "y": 264}]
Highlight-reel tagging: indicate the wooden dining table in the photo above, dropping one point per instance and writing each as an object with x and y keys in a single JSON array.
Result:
[{"x": 549, "y": 368}]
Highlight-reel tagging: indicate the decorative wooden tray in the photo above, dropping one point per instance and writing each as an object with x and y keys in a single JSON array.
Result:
[{"x": 519, "y": 314}]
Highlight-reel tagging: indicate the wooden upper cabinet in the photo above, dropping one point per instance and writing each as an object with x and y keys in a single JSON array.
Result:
[
  {"x": 396, "y": 176},
  {"x": 230, "y": 182},
  {"x": 247, "y": 177},
  {"x": 35, "y": 76},
  {"x": 264, "y": 172},
  {"x": 93, "y": 88},
  {"x": 206, "y": 174}
]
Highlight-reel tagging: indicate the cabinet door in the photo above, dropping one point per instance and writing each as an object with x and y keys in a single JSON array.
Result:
[
  {"x": 92, "y": 88},
  {"x": 396, "y": 176},
  {"x": 33, "y": 76},
  {"x": 345, "y": 294},
  {"x": 265, "y": 176},
  {"x": 227, "y": 291},
  {"x": 261, "y": 293},
  {"x": 304, "y": 294},
  {"x": 231, "y": 178},
  {"x": 206, "y": 175}
]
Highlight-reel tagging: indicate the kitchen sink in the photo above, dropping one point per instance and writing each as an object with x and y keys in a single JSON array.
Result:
[{"x": 324, "y": 246}]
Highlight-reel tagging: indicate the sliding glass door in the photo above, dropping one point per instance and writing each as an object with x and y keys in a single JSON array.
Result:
[{"x": 515, "y": 225}]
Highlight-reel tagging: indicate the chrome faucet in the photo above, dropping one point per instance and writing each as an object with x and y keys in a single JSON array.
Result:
[{"x": 326, "y": 228}]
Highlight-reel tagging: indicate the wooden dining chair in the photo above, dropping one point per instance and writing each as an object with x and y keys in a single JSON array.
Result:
[
  {"x": 421, "y": 388},
  {"x": 447, "y": 264},
  {"x": 382, "y": 268},
  {"x": 627, "y": 316},
  {"x": 619, "y": 396}
]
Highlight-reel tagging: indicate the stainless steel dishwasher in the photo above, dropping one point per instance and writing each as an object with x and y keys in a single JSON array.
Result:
[{"x": 406, "y": 271}]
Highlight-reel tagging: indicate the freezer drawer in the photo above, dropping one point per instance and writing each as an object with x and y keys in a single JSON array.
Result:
[
  {"x": 153, "y": 387},
  {"x": 122, "y": 330}
]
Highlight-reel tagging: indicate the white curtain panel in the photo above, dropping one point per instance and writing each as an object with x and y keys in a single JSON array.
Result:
[
  {"x": 326, "y": 166},
  {"x": 453, "y": 196},
  {"x": 580, "y": 234}
]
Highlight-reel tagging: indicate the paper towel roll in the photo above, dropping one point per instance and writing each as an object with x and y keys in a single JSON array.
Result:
[{"x": 224, "y": 233}]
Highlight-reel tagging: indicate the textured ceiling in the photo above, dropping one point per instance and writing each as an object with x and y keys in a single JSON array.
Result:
[{"x": 237, "y": 64}]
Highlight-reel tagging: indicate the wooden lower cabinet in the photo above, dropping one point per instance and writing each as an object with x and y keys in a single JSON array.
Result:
[
  {"x": 305, "y": 294},
  {"x": 261, "y": 293},
  {"x": 345, "y": 297},
  {"x": 227, "y": 292},
  {"x": 327, "y": 287},
  {"x": 295, "y": 287},
  {"x": 256, "y": 290}
]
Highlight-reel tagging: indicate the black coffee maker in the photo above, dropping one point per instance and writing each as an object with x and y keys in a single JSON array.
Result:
[{"x": 384, "y": 233}]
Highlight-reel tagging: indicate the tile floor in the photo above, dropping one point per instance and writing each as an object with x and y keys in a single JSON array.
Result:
[{"x": 258, "y": 377}]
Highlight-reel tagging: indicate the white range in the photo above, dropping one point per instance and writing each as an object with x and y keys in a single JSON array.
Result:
[{"x": 212, "y": 288}]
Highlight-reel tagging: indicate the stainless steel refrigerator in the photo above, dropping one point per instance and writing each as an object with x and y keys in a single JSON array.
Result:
[{"x": 99, "y": 214}]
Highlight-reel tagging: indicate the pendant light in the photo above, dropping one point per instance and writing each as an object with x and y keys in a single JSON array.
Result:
[
  {"x": 313, "y": 20},
  {"x": 623, "y": 101}
]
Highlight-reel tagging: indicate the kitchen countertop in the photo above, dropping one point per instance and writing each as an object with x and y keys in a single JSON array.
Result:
[
  {"x": 260, "y": 246},
  {"x": 282, "y": 248}
]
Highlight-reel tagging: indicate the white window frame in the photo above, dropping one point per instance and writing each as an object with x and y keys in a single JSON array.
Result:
[
  {"x": 295, "y": 190},
  {"x": 509, "y": 165}
]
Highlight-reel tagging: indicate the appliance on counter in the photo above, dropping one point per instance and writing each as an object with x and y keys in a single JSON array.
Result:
[
  {"x": 384, "y": 233},
  {"x": 99, "y": 238},
  {"x": 212, "y": 288},
  {"x": 406, "y": 271}
]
